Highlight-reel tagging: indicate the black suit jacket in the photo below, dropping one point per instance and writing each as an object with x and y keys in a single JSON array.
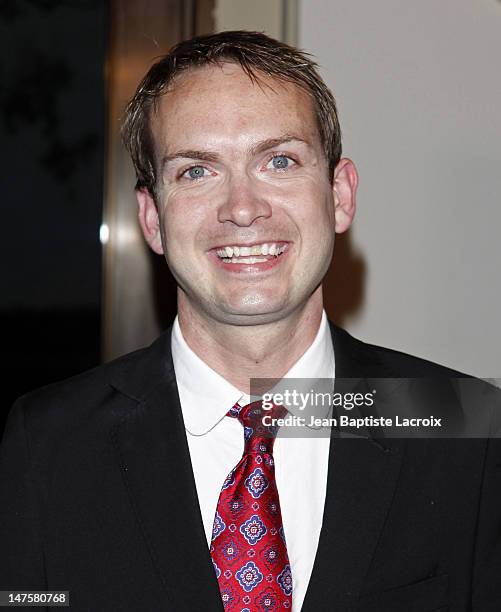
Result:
[{"x": 98, "y": 498}]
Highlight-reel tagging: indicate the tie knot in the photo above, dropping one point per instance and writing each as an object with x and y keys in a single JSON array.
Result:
[{"x": 259, "y": 429}]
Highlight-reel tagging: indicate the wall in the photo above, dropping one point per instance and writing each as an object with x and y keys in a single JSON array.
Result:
[{"x": 419, "y": 95}]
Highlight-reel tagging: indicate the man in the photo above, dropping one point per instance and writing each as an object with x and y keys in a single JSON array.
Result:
[{"x": 119, "y": 484}]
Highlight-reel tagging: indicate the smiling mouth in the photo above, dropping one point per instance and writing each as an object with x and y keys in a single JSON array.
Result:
[{"x": 257, "y": 253}]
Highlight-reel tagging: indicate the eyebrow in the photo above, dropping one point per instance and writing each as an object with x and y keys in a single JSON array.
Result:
[{"x": 212, "y": 156}]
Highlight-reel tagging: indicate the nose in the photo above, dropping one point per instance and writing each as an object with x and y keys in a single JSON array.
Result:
[{"x": 243, "y": 204}]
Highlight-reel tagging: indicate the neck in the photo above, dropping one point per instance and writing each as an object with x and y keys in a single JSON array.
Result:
[{"x": 241, "y": 352}]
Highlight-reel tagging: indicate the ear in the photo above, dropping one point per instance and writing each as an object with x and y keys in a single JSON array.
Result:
[
  {"x": 345, "y": 188},
  {"x": 149, "y": 220}
]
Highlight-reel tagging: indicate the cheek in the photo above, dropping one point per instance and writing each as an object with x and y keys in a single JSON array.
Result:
[
  {"x": 313, "y": 210},
  {"x": 315, "y": 220},
  {"x": 182, "y": 220}
]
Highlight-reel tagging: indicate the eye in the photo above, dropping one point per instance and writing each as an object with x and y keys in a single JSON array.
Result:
[
  {"x": 280, "y": 162},
  {"x": 195, "y": 172}
]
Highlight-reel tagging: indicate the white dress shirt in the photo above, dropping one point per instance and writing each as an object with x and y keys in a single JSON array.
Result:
[{"x": 216, "y": 444}]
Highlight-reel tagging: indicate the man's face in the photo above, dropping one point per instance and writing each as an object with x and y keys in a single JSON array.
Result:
[{"x": 245, "y": 206}]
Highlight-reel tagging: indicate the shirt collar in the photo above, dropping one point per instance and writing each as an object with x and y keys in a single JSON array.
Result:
[{"x": 206, "y": 396}]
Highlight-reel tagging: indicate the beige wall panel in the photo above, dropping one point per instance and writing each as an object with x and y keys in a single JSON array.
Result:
[
  {"x": 278, "y": 18},
  {"x": 419, "y": 98}
]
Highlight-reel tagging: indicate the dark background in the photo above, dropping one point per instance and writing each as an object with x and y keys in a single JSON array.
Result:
[{"x": 52, "y": 109}]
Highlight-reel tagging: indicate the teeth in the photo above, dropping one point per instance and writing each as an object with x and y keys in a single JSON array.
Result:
[
  {"x": 230, "y": 253},
  {"x": 245, "y": 260}
]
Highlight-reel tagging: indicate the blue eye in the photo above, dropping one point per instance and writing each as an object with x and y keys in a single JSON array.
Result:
[
  {"x": 195, "y": 172},
  {"x": 280, "y": 162}
]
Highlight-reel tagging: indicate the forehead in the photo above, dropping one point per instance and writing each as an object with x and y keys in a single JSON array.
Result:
[{"x": 219, "y": 104}]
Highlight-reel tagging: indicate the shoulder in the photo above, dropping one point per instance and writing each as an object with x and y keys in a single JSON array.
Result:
[
  {"x": 462, "y": 399},
  {"x": 81, "y": 388},
  {"x": 94, "y": 398},
  {"x": 383, "y": 361}
]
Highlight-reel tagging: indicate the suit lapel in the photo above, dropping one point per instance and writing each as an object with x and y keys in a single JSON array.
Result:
[
  {"x": 360, "y": 487},
  {"x": 153, "y": 454},
  {"x": 154, "y": 459},
  {"x": 362, "y": 476}
]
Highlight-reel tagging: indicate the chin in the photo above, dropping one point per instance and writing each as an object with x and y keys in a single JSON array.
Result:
[
  {"x": 252, "y": 314},
  {"x": 250, "y": 319},
  {"x": 253, "y": 304}
]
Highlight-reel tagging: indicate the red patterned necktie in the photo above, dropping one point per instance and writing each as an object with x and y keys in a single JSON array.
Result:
[{"x": 248, "y": 543}]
